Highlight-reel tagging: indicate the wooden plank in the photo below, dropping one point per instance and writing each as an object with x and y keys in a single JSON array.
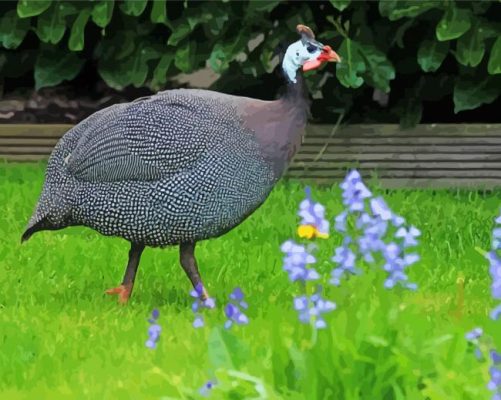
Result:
[
  {"x": 24, "y": 157},
  {"x": 356, "y": 130},
  {"x": 34, "y": 130},
  {"x": 422, "y": 183},
  {"x": 26, "y": 150},
  {"x": 419, "y": 165},
  {"x": 370, "y": 157},
  {"x": 370, "y": 141},
  {"x": 398, "y": 173},
  {"x": 26, "y": 141},
  {"x": 433, "y": 130},
  {"x": 385, "y": 149}
]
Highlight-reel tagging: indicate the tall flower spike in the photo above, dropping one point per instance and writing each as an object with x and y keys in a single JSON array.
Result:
[
  {"x": 495, "y": 272},
  {"x": 232, "y": 310},
  {"x": 198, "y": 304},
  {"x": 354, "y": 192},
  {"x": 153, "y": 330},
  {"x": 311, "y": 309},
  {"x": 295, "y": 260},
  {"x": 313, "y": 223}
]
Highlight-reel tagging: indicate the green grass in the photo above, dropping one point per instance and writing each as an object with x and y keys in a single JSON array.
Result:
[{"x": 61, "y": 337}]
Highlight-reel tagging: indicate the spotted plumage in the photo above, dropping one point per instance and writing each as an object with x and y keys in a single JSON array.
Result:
[{"x": 173, "y": 168}]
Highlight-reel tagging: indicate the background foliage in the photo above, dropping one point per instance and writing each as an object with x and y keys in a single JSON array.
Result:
[{"x": 416, "y": 51}]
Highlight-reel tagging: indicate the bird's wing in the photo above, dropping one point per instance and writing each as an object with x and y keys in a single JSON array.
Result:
[{"x": 149, "y": 139}]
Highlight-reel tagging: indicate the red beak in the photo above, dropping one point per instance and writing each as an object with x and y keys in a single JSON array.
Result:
[{"x": 327, "y": 55}]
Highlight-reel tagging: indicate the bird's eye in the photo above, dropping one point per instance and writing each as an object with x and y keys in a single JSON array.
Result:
[{"x": 311, "y": 48}]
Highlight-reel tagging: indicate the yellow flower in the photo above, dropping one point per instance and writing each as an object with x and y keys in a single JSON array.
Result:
[{"x": 310, "y": 231}]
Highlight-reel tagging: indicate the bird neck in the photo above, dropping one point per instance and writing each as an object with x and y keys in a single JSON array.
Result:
[{"x": 295, "y": 95}]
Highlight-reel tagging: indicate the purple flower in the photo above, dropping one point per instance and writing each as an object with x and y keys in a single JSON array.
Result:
[
  {"x": 496, "y": 242},
  {"x": 312, "y": 309},
  {"x": 354, "y": 192},
  {"x": 153, "y": 330},
  {"x": 198, "y": 304},
  {"x": 409, "y": 235},
  {"x": 495, "y": 382},
  {"x": 295, "y": 261},
  {"x": 495, "y": 357},
  {"x": 371, "y": 239},
  {"x": 238, "y": 296},
  {"x": 340, "y": 222},
  {"x": 232, "y": 310},
  {"x": 474, "y": 334},
  {"x": 205, "y": 389},
  {"x": 397, "y": 220},
  {"x": 495, "y": 272},
  {"x": 380, "y": 209},
  {"x": 313, "y": 214},
  {"x": 345, "y": 258},
  {"x": 496, "y": 313}
]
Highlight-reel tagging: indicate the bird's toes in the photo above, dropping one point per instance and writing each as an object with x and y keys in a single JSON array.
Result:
[{"x": 123, "y": 292}]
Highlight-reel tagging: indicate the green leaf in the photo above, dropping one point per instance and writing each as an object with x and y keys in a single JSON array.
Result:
[
  {"x": 134, "y": 7},
  {"x": 184, "y": 56},
  {"x": 431, "y": 54},
  {"x": 184, "y": 28},
  {"x": 51, "y": 25},
  {"x": 494, "y": 65},
  {"x": 340, "y": 4},
  {"x": 470, "y": 93},
  {"x": 132, "y": 70},
  {"x": 31, "y": 8},
  {"x": 223, "y": 53},
  {"x": 54, "y": 66},
  {"x": 225, "y": 350},
  {"x": 219, "y": 18},
  {"x": 160, "y": 72},
  {"x": 381, "y": 70},
  {"x": 218, "y": 352},
  {"x": 258, "y": 7},
  {"x": 454, "y": 23},
  {"x": 401, "y": 30},
  {"x": 470, "y": 47},
  {"x": 76, "y": 41},
  {"x": 352, "y": 66},
  {"x": 140, "y": 68},
  {"x": 12, "y": 29},
  {"x": 102, "y": 13},
  {"x": 396, "y": 9},
  {"x": 178, "y": 34},
  {"x": 158, "y": 12}
]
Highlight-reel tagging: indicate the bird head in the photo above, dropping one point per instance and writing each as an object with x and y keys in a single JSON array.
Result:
[{"x": 307, "y": 53}]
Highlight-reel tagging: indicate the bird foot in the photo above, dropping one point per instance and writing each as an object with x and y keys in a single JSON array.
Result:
[
  {"x": 123, "y": 292},
  {"x": 205, "y": 295}
]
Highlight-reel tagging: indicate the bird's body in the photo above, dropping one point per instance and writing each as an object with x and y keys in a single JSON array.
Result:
[{"x": 177, "y": 167}]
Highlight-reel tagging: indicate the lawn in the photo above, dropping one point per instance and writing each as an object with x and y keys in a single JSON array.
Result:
[{"x": 62, "y": 337}]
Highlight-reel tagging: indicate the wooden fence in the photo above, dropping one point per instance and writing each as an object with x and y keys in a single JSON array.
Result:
[{"x": 434, "y": 156}]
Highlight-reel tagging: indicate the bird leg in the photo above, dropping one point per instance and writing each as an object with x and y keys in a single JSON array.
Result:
[
  {"x": 189, "y": 264},
  {"x": 125, "y": 289}
]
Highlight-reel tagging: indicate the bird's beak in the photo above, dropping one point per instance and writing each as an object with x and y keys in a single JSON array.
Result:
[{"x": 327, "y": 55}]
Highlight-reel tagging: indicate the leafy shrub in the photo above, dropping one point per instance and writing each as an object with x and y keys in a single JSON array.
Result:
[{"x": 432, "y": 49}]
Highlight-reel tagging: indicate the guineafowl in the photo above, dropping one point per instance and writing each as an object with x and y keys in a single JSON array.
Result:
[{"x": 176, "y": 167}]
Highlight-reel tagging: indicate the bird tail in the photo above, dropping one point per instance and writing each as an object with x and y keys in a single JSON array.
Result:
[{"x": 36, "y": 224}]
